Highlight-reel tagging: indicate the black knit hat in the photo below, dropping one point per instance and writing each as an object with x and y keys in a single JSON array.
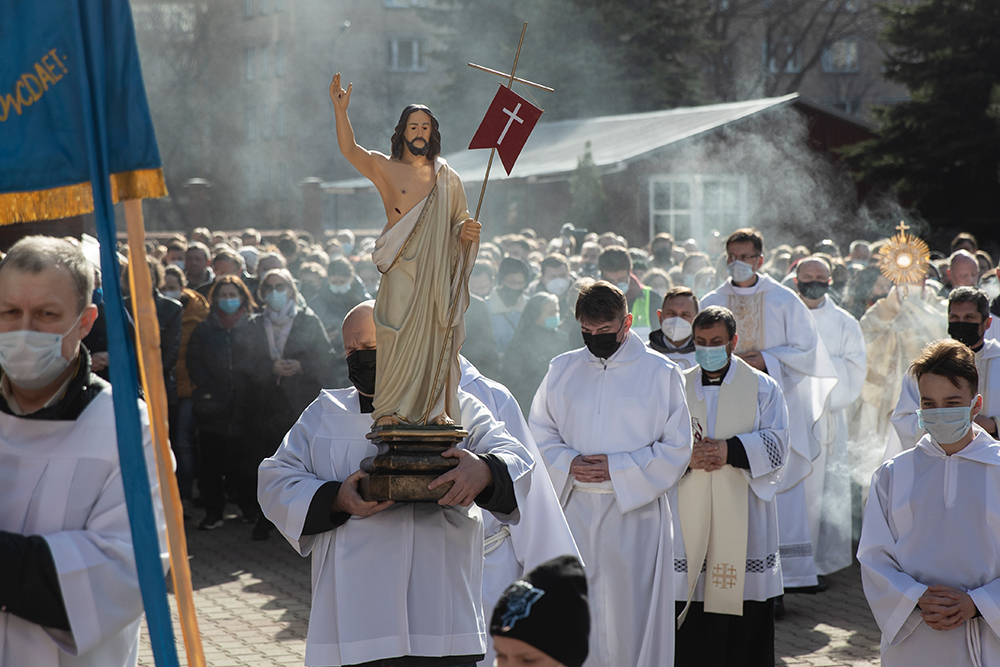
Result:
[{"x": 548, "y": 609}]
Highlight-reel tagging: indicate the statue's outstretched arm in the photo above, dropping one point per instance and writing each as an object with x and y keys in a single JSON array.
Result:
[{"x": 362, "y": 159}]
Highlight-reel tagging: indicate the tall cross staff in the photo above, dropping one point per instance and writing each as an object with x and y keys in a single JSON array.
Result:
[
  {"x": 512, "y": 118},
  {"x": 512, "y": 114}
]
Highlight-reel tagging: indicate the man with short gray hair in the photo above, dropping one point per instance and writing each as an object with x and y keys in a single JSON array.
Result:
[{"x": 68, "y": 586}]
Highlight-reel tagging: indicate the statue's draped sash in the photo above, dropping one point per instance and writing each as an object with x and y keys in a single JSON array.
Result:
[{"x": 424, "y": 275}]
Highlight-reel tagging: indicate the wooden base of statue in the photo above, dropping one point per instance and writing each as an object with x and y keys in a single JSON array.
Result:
[{"x": 409, "y": 458}]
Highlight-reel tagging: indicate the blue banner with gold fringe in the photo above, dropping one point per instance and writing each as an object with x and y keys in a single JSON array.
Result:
[
  {"x": 76, "y": 135},
  {"x": 44, "y": 173}
]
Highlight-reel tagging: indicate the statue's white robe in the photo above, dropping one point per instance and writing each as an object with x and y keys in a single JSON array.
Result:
[
  {"x": 766, "y": 447},
  {"x": 542, "y": 533},
  {"x": 904, "y": 416},
  {"x": 405, "y": 581},
  {"x": 786, "y": 335},
  {"x": 933, "y": 519},
  {"x": 828, "y": 488},
  {"x": 632, "y": 408},
  {"x": 62, "y": 480}
]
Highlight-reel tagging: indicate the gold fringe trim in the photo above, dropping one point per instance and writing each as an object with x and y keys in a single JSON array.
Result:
[{"x": 70, "y": 200}]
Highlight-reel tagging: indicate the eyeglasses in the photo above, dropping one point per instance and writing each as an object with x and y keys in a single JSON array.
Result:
[
  {"x": 267, "y": 288},
  {"x": 741, "y": 258}
]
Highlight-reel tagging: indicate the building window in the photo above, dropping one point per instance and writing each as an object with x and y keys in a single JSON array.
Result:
[
  {"x": 280, "y": 5},
  {"x": 263, "y": 55},
  {"x": 281, "y": 121},
  {"x": 842, "y": 57},
  {"x": 265, "y": 7},
  {"x": 250, "y": 123},
  {"x": 782, "y": 55},
  {"x": 279, "y": 59},
  {"x": 248, "y": 63},
  {"x": 689, "y": 206},
  {"x": 406, "y": 54},
  {"x": 248, "y": 9},
  {"x": 265, "y": 123}
]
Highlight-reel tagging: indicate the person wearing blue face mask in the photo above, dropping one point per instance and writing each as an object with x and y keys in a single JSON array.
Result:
[
  {"x": 69, "y": 580},
  {"x": 218, "y": 363},
  {"x": 928, "y": 543},
  {"x": 535, "y": 343},
  {"x": 726, "y": 507},
  {"x": 291, "y": 361}
]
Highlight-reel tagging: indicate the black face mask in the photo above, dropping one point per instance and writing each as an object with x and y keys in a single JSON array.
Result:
[
  {"x": 602, "y": 345},
  {"x": 361, "y": 371},
  {"x": 509, "y": 295},
  {"x": 813, "y": 290},
  {"x": 966, "y": 333}
]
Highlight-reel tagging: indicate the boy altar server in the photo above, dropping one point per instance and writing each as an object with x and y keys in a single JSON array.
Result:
[
  {"x": 931, "y": 530},
  {"x": 727, "y": 516},
  {"x": 613, "y": 428}
]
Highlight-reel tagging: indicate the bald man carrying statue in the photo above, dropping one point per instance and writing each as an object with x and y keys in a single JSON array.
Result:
[{"x": 425, "y": 254}]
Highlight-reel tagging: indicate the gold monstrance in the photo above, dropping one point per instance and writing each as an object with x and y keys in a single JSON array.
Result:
[{"x": 904, "y": 258}]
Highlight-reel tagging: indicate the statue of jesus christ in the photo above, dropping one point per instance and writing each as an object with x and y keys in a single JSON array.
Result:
[{"x": 425, "y": 253}]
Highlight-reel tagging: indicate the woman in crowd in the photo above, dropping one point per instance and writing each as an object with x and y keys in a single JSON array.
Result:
[
  {"x": 535, "y": 343},
  {"x": 292, "y": 361},
  {"x": 218, "y": 356},
  {"x": 183, "y": 432}
]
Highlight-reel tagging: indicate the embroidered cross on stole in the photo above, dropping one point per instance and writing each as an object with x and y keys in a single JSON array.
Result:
[{"x": 713, "y": 506}]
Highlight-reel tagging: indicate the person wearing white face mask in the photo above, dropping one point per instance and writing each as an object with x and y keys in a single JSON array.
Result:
[
  {"x": 674, "y": 337},
  {"x": 779, "y": 337},
  {"x": 927, "y": 548},
  {"x": 68, "y": 589}
]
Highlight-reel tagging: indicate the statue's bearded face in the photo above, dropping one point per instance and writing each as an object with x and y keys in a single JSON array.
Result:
[{"x": 418, "y": 132}]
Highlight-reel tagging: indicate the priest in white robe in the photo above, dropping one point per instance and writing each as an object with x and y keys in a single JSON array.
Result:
[
  {"x": 968, "y": 320},
  {"x": 69, "y": 592},
  {"x": 390, "y": 581},
  {"x": 674, "y": 338},
  {"x": 542, "y": 533},
  {"x": 611, "y": 423},
  {"x": 726, "y": 516},
  {"x": 929, "y": 540},
  {"x": 828, "y": 488},
  {"x": 779, "y": 337}
]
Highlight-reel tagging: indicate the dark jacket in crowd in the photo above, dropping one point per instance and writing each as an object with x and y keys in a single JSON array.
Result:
[
  {"x": 218, "y": 362},
  {"x": 527, "y": 360},
  {"x": 282, "y": 399},
  {"x": 332, "y": 309},
  {"x": 168, "y": 315}
]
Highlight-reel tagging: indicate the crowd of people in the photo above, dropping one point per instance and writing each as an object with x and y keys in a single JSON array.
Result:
[{"x": 722, "y": 404}]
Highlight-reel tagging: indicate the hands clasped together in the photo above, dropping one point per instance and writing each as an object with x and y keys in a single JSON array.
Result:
[
  {"x": 709, "y": 454},
  {"x": 945, "y": 608}
]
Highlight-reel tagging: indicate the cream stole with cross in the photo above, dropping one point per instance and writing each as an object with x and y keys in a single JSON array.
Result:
[{"x": 713, "y": 506}]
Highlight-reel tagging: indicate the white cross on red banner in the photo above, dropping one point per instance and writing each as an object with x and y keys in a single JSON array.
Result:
[{"x": 506, "y": 127}]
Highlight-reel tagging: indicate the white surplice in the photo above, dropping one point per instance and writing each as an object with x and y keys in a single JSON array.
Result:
[
  {"x": 828, "y": 488},
  {"x": 771, "y": 319},
  {"x": 405, "y": 581},
  {"x": 542, "y": 533},
  {"x": 62, "y": 480},
  {"x": 933, "y": 519},
  {"x": 766, "y": 448},
  {"x": 631, "y": 407},
  {"x": 904, "y": 416}
]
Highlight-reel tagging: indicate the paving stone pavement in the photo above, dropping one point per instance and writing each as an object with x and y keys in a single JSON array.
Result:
[{"x": 252, "y": 600}]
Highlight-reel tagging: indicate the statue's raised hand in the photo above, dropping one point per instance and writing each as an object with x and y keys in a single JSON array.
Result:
[{"x": 340, "y": 97}]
